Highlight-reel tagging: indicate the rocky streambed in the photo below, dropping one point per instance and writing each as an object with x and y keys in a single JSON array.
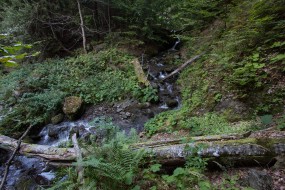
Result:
[{"x": 32, "y": 173}]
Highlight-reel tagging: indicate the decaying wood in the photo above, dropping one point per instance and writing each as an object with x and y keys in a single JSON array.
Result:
[
  {"x": 184, "y": 65},
  {"x": 80, "y": 169},
  {"x": 232, "y": 147},
  {"x": 140, "y": 73},
  {"x": 8, "y": 163},
  {"x": 43, "y": 151}
]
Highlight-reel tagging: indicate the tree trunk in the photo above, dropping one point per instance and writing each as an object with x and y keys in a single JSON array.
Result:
[
  {"x": 227, "y": 147},
  {"x": 43, "y": 151},
  {"x": 82, "y": 27}
]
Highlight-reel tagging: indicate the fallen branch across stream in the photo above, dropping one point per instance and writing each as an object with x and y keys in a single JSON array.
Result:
[
  {"x": 226, "y": 147},
  {"x": 184, "y": 65}
]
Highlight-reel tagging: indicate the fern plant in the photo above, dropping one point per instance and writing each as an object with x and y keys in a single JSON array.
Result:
[{"x": 113, "y": 165}]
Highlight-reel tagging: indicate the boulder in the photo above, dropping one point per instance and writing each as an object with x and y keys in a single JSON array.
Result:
[
  {"x": 258, "y": 180},
  {"x": 73, "y": 107},
  {"x": 233, "y": 109},
  {"x": 171, "y": 103},
  {"x": 57, "y": 119}
]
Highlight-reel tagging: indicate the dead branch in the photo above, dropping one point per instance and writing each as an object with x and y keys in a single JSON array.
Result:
[
  {"x": 80, "y": 169},
  {"x": 184, "y": 65}
]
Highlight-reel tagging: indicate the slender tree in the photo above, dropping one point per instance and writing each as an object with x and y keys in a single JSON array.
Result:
[{"x": 82, "y": 27}]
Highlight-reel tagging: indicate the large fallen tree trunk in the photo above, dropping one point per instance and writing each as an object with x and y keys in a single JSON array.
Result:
[
  {"x": 229, "y": 147},
  {"x": 43, "y": 151}
]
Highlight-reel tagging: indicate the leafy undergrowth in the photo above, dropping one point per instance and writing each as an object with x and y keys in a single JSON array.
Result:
[
  {"x": 33, "y": 93},
  {"x": 241, "y": 76},
  {"x": 208, "y": 124},
  {"x": 113, "y": 164}
]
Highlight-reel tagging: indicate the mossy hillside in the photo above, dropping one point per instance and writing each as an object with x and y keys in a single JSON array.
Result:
[
  {"x": 34, "y": 93},
  {"x": 241, "y": 76}
]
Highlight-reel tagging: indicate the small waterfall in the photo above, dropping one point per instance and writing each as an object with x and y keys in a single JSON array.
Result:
[
  {"x": 175, "y": 45},
  {"x": 169, "y": 88},
  {"x": 164, "y": 106},
  {"x": 55, "y": 135},
  {"x": 159, "y": 65},
  {"x": 162, "y": 75}
]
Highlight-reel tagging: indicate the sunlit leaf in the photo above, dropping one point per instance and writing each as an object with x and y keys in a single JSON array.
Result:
[{"x": 10, "y": 63}]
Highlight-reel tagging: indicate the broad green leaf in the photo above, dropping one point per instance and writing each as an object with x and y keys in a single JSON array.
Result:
[
  {"x": 10, "y": 63},
  {"x": 21, "y": 56},
  {"x": 155, "y": 167},
  {"x": 279, "y": 57}
]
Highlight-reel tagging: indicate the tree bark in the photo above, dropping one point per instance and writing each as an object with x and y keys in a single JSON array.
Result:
[
  {"x": 82, "y": 27},
  {"x": 43, "y": 151},
  {"x": 229, "y": 147},
  {"x": 80, "y": 169}
]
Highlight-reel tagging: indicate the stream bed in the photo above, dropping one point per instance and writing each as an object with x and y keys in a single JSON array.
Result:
[{"x": 31, "y": 173}]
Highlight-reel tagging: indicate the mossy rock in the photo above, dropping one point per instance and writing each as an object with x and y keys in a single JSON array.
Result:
[
  {"x": 57, "y": 119},
  {"x": 73, "y": 107}
]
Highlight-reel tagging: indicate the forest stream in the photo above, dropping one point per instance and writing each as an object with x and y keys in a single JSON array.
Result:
[{"x": 31, "y": 173}]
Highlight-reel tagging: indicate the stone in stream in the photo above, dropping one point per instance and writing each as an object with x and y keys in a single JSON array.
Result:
[
  {"x": 73, "y": 107},
  {"x": 57, "y": 119},
  {"x": 171, "y": 103}
]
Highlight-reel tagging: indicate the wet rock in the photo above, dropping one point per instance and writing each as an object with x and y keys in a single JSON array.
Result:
[
  {"x": 4, "y": 156},
  {"x": 171, "y": 103},
  {"x": 73, "y": 107},
  {"x": 54, "y": 131},
  {"x": 280, "y": 163},
  {"x": 149, "y": 113},
  {"x": 142, "y": 134},
  {"x": 79, "y": 130},
  {"x": 144, "y": 105},
  {"x": 57, "y": 119},
  {"x": 258, "y": 180}
]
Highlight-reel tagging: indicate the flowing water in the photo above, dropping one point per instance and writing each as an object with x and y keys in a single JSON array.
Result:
[{"x": 34, "y": 172}]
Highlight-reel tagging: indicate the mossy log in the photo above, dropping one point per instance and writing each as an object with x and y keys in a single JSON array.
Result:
[
  {"x": 43, "y": 151},
  {"x": 229, "y": 147}
]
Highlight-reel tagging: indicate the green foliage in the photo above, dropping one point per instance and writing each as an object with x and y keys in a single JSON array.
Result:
[
  {"x": 212, "y": 123},
  {"x": 113, "y": 165},
  {"x": 37, "y": 91},
  {"x": 9, "y": 54},
  {"x": 280, "y": 122},
  {"x": 247, "y": 72},
  {"x": 143, "y": 18},
  {"x": 148, "y": 94},
  {"x": 163, "y": 122},
  {"x": 266, "y": 119},
  {"x": 194, "y": 14}
]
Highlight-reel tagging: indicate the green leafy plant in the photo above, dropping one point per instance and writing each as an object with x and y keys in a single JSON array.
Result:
[
  {"x": 113, "y": 165},
  {"x": 10, "y": 54},
  {"x": 37, "y": 91},
  {"x": 280, "y": 122}
]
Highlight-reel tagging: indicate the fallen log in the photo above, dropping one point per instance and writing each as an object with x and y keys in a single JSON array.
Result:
[
  {"x": 229, "y": 147},
  {"x": 184, "y": 65},
  {"x": 43, "y": 151}
]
